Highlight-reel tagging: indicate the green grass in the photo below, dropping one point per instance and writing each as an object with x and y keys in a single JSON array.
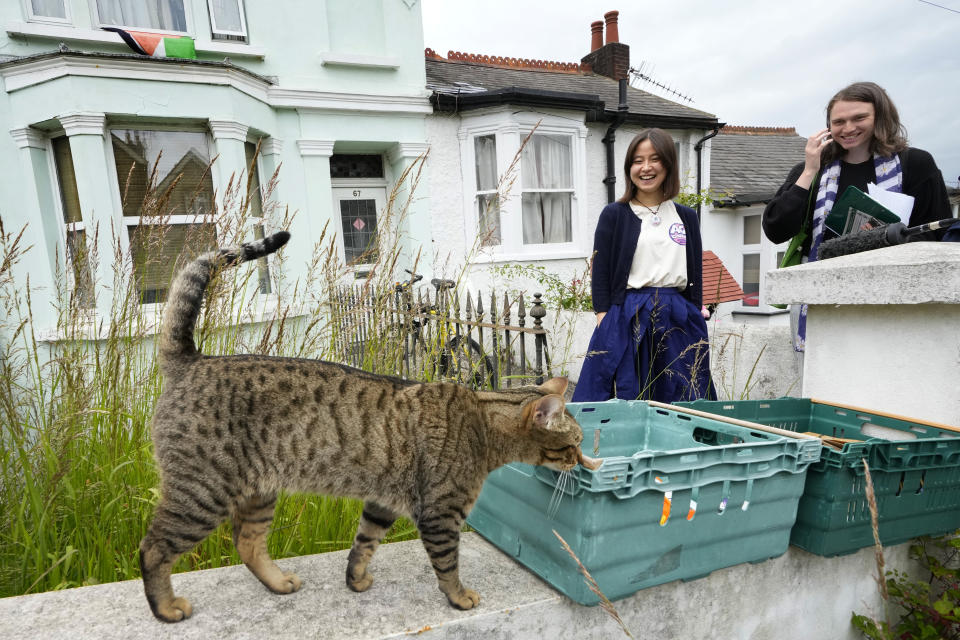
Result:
[{"x": 78, "y": 484}]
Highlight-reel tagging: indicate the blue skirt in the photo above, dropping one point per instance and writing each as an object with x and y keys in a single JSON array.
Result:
[{"x": 654, "y": 346}]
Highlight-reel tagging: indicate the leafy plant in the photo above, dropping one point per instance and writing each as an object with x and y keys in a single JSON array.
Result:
[
  {"x": 930, "y": 608},
  {"x": 559, "y": 293}
]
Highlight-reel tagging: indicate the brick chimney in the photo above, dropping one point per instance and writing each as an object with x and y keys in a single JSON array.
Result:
[
  {"x": 596, "y": 35},
  {"x": 613, "y": 58}
]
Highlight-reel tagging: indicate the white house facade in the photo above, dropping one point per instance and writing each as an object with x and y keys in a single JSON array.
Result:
[
  {"x": 747, "y": 166},
  {"x": 493, "y": 204}
]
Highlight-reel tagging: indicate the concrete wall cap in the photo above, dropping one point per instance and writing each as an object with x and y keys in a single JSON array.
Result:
[{"x": 913, "y": 273}]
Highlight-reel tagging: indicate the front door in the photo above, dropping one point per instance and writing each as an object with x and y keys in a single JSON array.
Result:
[{"x": 358, "y": 209}]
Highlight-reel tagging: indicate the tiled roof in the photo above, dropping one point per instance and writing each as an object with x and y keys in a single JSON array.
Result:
[
  {"x": 467, "y": 73},
  {"x": 718, "y": 284},
  {"x": 748, "y": 164}
]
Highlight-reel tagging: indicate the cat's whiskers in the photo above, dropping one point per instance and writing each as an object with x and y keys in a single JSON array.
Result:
[{"x": 564, "y": 478}]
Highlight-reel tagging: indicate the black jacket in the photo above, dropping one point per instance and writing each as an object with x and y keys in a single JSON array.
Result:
[
  {"x": 615, "y": 242},
  {"x": 785, "y": 214}
]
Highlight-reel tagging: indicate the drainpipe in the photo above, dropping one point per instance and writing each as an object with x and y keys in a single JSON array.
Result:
[
  {"x": 611, "y": 179},
  {"x": 699, "y": 149}
]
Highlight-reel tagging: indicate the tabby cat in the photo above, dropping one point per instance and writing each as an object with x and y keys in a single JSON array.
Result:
[{"x": 229, "y": 432}]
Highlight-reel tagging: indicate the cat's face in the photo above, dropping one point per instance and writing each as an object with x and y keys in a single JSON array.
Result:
[{"x": 555, "y": 431}]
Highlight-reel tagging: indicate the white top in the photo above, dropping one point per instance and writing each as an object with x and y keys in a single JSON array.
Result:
[{"x": 660, "y": 259}]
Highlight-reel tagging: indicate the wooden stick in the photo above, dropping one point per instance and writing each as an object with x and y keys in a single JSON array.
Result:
[
  {"x": 739, "y": 423},
  {"x": 925, "y": 423}
]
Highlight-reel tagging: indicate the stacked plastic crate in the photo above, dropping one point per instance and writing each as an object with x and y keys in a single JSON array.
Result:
[
  {"x": 914, "y": 466},
  {"x": 678, "y": 496},
  {"x": 690, "y": 488}
]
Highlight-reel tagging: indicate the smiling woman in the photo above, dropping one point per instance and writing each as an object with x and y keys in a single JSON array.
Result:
[
  {"x": 864, "y": 143},
  {"x": 650, "y": 341}
]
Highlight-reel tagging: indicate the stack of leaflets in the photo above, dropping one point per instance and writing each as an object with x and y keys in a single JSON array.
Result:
[{"x": 856, "y": 211}]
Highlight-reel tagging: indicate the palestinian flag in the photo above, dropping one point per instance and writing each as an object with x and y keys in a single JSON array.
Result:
[{"x": 157, "y": 45}]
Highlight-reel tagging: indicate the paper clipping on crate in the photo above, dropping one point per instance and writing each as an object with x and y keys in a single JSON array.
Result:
[{"x": 857, "y": 211}]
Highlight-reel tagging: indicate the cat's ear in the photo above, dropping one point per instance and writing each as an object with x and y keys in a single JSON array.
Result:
[
  {"x": 554, "y": 385},
  {"x": 546, "y": 410}
]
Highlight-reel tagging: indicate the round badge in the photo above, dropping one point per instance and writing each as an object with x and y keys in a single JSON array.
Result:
[{"x": 678, "y": 233}]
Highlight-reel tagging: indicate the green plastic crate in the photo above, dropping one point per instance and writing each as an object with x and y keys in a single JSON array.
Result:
[
  {"x": 915, "y": 468},
  {"x": 733, "y": 498}
]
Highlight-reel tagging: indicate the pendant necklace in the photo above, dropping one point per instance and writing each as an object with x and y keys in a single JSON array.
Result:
[{"x": 655, "y": 220}]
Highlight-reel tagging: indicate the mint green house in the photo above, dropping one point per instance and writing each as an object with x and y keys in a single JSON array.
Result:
[{"x": 332, "y": 92}]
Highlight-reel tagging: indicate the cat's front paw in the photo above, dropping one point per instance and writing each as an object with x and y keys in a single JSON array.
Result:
[
  {"x": 360, "y": 584},
  {"x": 291, "y": 582},
  {"x": 176, "y": 610},
  {"x": 464, "y": 599}
]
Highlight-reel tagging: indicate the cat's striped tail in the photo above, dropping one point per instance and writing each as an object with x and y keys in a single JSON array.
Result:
[{"x": 186, "y": 295}]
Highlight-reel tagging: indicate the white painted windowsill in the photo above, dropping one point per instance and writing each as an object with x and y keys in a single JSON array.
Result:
[
  {"x": 331, "y": 59},
  {"x": 74, "y": 34}
]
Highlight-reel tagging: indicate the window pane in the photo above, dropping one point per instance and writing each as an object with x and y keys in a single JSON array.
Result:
[
  {"x": 751, "y": 230},
  {"x": 489, "y": 217},
  {"x": 164, "y": 15},
  {"x": 751, "y": 280},
  {"x": 77, "y": 254},
  {"x": 163, "y": 172},
  {"x": 68, "y": 180},
  {"x": 255, "y": 210},
  {"x": 356, "y": 166},
  {"x": 546, "y": 162},
  {"x": 78, "y": 260},
  {"x": 226, "y": 15},
  {"x": 158, "y": 251},
  {"x": 546, "y": 218},
  {"x": 263, "y": 267},
  {"x": 48, "y": 8},
  {"x": 485, "y": 154},
  {"x": 254, "y": 194},
  {"x": 359, "y": 219}
]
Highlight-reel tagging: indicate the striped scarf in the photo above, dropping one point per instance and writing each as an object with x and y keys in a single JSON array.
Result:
[{"x": 889, "y": 178}]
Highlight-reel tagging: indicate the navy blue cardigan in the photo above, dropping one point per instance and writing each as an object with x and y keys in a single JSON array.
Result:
[{"x": 615, "y": 242}]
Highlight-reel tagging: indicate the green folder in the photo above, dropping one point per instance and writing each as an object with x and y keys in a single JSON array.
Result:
[{"x": 854, "y": 209}]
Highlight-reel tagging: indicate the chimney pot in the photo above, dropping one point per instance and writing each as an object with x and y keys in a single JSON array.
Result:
[
  {"x": 613, "y": 32},
  {"x": 596, "y": 35}
]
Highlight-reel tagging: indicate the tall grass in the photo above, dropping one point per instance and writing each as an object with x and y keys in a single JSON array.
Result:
[{"x": 77, "y": 479}]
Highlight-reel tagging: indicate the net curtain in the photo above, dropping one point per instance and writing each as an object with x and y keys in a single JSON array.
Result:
[
  {"x": 49, "y": 8},
  {"x": 546, "y": 165},
  {"x": 166, "y": 15}
]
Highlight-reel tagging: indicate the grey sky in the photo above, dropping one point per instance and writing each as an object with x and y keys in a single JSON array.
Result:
[{"x": 750, "y": 62}]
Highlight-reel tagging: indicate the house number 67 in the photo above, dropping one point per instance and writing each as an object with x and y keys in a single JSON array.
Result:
[{"x": 356, "y": 193}]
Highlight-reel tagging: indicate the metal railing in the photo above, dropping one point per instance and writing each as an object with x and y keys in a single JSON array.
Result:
[{"x": 425, "y": 333}]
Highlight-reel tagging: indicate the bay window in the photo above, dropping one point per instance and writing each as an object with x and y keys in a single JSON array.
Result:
[
  {"x": 166, "y": 192},
  {"x": 523, "y": 174}
]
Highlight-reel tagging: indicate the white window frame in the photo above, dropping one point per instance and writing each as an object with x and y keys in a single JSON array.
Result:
[
  {"x": 768, "y": 258},
  {"x": 224, "y": 32},
  {"x": 32, "y": 17},
  {"x": 125, "y": 222},
  {"x": 509, "y": 130},
  {"x": 261, "y": 221},
  {"x": 67, "y": 227},
  {"x": 187, "y": 15}
]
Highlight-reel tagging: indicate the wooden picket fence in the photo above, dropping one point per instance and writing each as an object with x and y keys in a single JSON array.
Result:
[{"x": 426, "y": 333}]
